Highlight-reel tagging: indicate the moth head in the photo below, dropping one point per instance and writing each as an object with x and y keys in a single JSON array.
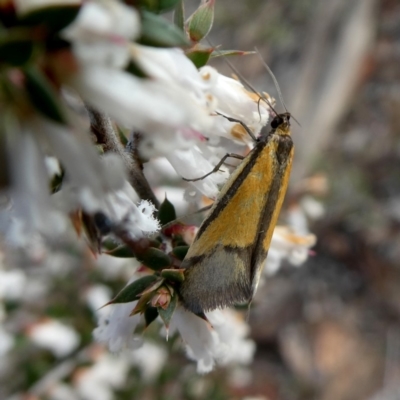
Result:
[{"x": 281, "y": 122}]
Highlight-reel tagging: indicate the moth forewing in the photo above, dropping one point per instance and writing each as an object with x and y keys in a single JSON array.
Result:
[{"x": 224, "y": 263}]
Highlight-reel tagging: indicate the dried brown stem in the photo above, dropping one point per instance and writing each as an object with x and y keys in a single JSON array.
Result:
[{"x": 103, "y": 129}]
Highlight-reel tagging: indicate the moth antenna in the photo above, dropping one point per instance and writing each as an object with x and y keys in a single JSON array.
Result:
[
  {"x": 275, "y": 83},
  {"x": 273, "y": 78},
  {"x": 246, "y": 82}
]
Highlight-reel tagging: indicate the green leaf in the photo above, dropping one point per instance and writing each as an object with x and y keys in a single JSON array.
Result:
[
  {"x": 176, "y": 275},
  {"x": 110, "y": 245},
  {"x": 158, "y": 32},
  {"x": 123, "y": 251},
  {"x": 42, "y": 95},
  {"x": 225, "y": 53},
  {"x": 142, "y": 304},
  {"x": 16, "y": 51},
  {"x": 199, "y": 57},
  {"x": 155, "y": 259},
  {"x": 166, "y": 212},
  {"x": 179, "y": 15},
  {"x": 167, "y": 314},
  {"x": 54, "y": 18},
  {"x": 201, "y": 21},
  {"x": 158, "y": 6},
  {"x": 130, "y": 293},
  {"x": 180, "y": 251},
  {"x": 150, "y": 315}
]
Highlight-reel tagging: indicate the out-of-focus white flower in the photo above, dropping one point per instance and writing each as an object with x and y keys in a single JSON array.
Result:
[
  {"x": 101, "y": 32},
  {"x": 116, "y": 329},
  {"x": 61, "y": 391},
  {"x": 150, "y": 359},
  {"x": 96, "y": 296},
  {"x": 286, "y": 244},
  {"x": 166, "y": 113},
  {"x": 221, "y": 342},
  {"x": 99, "y": 381},
  {"x": 52, "y": 335},
  {"x": 31, "y": 208},
  {"x": 12, "y": 284},
  {"x": 136, "y": 220},
  {"x": 312, "y": 207},
  {"x": 230, "y": 99},
  {"x": 6, "y": 342}
]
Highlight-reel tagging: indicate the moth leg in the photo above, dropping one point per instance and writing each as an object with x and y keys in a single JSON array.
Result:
[
  {"x": 216, "y": 168},
  {"x": 238, "y": 121}
]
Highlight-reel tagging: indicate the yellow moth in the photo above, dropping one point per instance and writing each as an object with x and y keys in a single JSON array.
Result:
[{"x": 225, "y": 261}]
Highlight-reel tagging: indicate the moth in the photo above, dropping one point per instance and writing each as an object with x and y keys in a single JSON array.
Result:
[{"x": 225, "y": 261}]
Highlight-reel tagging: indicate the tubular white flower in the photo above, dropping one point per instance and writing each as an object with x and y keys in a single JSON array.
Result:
[
  {"x": 286, "y": 244},
  {"x": 223, "y": 342},
  {"x": 234, "y": 101},
  {"x": 59, "y": 338},
  {"x": 149, "y": 106},
  {"x": 116, "y": 329},
  {"x": 98, "y": 381},
  {"x": 192, "y": 164},
  {"x": 101, "y": 33}
]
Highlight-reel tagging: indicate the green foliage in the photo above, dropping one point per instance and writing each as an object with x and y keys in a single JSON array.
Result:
[
  {"x": 158, "y": 32},
  {"x": 42, "y": 95},
  {"x": 166, "y": 212}
]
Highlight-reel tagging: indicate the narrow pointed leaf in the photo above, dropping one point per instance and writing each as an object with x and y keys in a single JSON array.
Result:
[
  {"x": 156, "y": 31},
  {"x": 131, "y": 292},
  {"x": 179, "y": 15},
  {"x": 199, "y": 57},
  {"x": 167, "y": 314},
  {"x": 121, "y": 252},
  {"x": 142, "y": 304},
  {"x": 225, "y": 53},
  {"x": 152, "y": 288},
  {"x": 155, "y": 259},
  {"x": 201, "y": 21},
  {"x": 54, "y": 18},
  {"x": 42, "y": 95},
  {"x": 175, "y": 275},
  {"x": 180, "y": 252},
  {"x": 166, "y": 213}
]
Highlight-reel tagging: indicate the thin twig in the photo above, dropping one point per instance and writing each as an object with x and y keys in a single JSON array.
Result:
[{"x": 103, "y": 129}]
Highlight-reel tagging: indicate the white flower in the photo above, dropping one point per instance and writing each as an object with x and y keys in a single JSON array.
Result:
[
  {"x": 163, "y": 111},
  {"x": 192, "y": 164},
  {"x": 287, "y": 244},
  {"x": 135, "y": 220},
  {"x": 12, "y": 284},
  {"x": 150, "y": 359},
  {"x": 99, "y": 381},
  {"x": 233, "y": 100},
  {"x": 7, "y": 342},
  {"x": 101, "y": 33},
  {"x": 59, "y": 338},
  {"x": 116, "y": 329},
  {"x": 220, "y": 341}
]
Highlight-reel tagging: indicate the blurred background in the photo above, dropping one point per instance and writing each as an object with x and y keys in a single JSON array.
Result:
[{"x": 328, "y": 330}]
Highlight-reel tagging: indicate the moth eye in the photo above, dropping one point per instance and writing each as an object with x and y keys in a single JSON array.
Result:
[{"x": 276, "y": 122}]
